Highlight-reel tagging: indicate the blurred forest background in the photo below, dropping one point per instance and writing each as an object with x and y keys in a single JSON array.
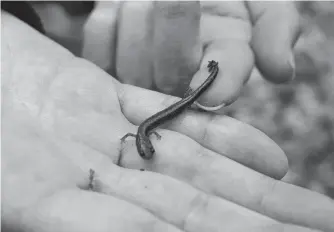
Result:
[{"x": 299, "y": 116}]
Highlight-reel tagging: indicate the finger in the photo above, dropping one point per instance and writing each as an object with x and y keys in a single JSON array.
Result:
[
  {"x": 182, "y": 158},
  {"x": 225, "y": 32},
  {"x": 177, "y": 203},
  {"x": 77, "y": 210},
  {"x": 224, "y": 20},
  {"x": 26, "y": 13},
  {"x": 275, "y": 32},
  {"x": 241, "y": 142},
  {"x": 293, "y": 204},
  {"x": 235, "y": 61},
  {"x": 210, "y": 130},
  {"x": 99, "y": 35},
  {"x": 177, "y": 48},
  {"x": 134, "y": 45}
]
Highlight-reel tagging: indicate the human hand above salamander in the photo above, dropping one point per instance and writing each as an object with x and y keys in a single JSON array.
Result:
[
  {"x": 166, "y": 46},
  {"x": 62, "y": 116}
]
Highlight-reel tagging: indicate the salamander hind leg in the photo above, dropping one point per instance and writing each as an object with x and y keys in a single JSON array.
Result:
[
  {"x": 91, "y": 179},
  {"x": 188, "y": 92},
  {"x": 212, "y": 64}
]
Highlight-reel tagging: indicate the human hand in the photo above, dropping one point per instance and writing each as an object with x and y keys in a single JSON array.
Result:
[
  {"x": 165, "y": 46},
  {"x": 63, "y": 116}
]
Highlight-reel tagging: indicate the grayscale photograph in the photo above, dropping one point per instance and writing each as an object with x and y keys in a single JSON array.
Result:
[{"x": 167, "y": 116}]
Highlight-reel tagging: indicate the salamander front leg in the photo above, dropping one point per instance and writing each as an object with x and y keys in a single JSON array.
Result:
[
  {"x": 156, "y": 134},
  {"x": 91, "y": 180},
  {"x": 128, "y": 135},
  {"x": 122, "y": 142}
]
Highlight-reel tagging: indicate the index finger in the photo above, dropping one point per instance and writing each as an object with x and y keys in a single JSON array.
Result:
[
  {"x": 182, "y": 158},
  {"x": 225, "y": 33},
  {"x": 177, "y": 49},
  {"x": 221, "y": 134}
]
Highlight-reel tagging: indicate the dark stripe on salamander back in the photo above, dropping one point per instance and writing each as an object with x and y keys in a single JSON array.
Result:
[{"x": 178, "y": 107}]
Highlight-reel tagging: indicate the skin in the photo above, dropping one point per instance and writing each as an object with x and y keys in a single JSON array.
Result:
[
  {"x": 62, "y": 116},
  {"x": 240, "y": 36},
  {"x": 143, "y": 143}
]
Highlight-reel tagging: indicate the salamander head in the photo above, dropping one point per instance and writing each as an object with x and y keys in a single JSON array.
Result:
[{"x": 145, "y": 148}]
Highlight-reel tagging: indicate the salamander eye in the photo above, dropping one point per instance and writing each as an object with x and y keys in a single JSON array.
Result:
[{"x": 152, "y": 150}]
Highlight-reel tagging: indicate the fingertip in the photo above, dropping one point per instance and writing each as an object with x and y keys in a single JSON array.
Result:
[
  {"x": 276, "y": 30},
  {"x": 235, "y": 62},
  {"x": 276, "y": 71},
  {"x": 282, "y": 165},
  {"x": 276, "y": 65}
]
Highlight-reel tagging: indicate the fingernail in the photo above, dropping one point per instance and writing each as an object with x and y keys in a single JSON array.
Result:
[
  {"x": 208, "y": 108},
  {"x": 293, "y": 66}
]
